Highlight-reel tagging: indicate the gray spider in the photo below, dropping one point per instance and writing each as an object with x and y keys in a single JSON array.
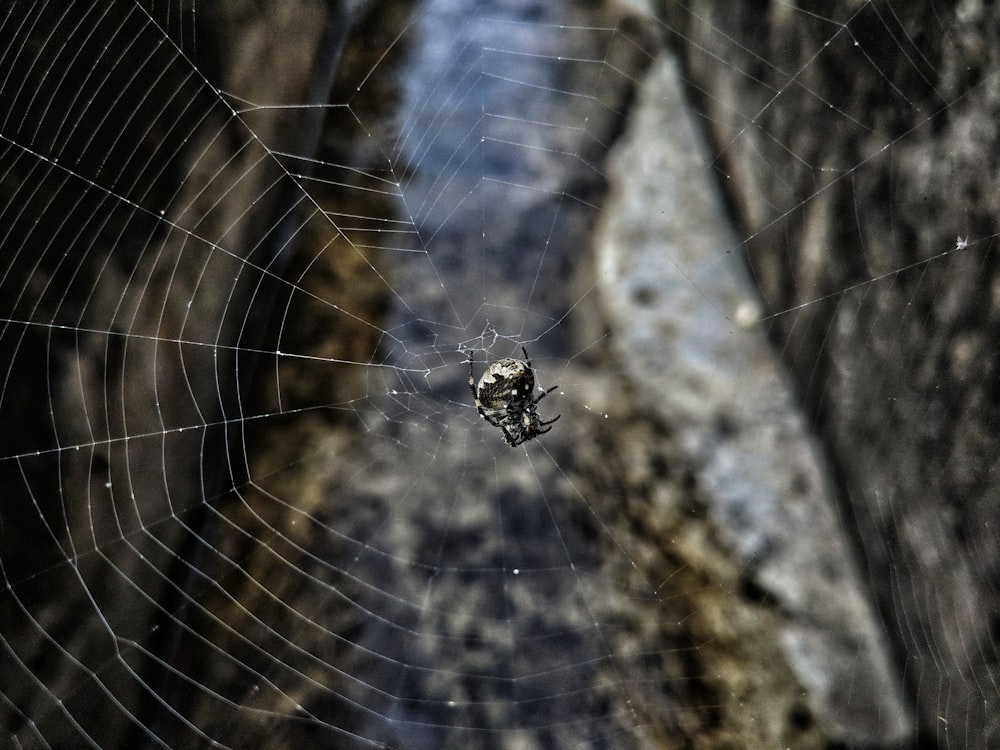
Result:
[{"x": 504, "y": 398}]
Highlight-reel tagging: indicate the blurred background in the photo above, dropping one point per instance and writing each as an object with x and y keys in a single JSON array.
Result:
[{"x": 248, "y": 500}]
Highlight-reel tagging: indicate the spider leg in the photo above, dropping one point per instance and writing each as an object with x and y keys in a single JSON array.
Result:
[
  {"x": 527, "y": 361},
  {"x": 543, "y": 394},
  {"x": 472, "y": 383},
  {"x": 535, "y": 401}
]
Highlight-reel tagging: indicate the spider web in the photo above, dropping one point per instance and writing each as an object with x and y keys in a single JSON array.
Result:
[{"x": 248, "y": 500}]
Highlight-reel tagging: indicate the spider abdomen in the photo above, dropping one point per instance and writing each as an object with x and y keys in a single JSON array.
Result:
[
  {"x": 505, "y": 398},
  {"x": 506, "y": 385}
]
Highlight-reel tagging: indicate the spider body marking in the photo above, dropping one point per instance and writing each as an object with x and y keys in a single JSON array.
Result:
[{"x": 504, "y": 398}]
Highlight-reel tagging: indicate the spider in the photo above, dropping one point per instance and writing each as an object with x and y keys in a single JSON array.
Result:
[{"x": 503, "y": 398}]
